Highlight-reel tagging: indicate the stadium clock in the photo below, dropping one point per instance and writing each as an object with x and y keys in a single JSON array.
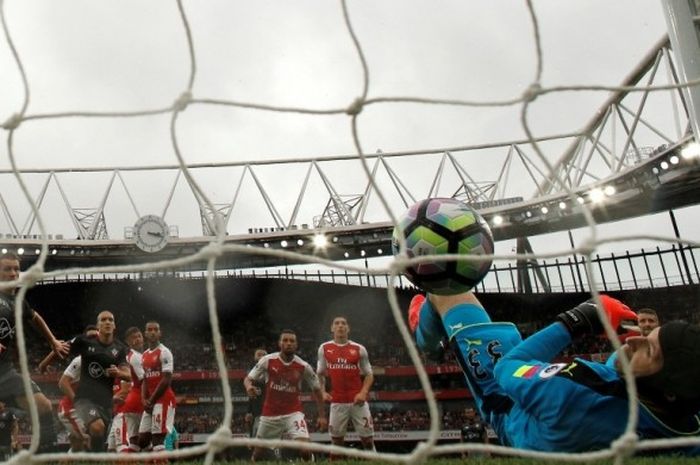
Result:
[{"x": 151, "y": 233}]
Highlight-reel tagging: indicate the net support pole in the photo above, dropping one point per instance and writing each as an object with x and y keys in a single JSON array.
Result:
[{"x": 683, "y": 24}]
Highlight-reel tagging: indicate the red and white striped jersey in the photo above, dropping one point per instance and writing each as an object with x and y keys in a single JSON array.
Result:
[
  {"x": 345, "y": 365},
  {"x": 283, "y": 383}
]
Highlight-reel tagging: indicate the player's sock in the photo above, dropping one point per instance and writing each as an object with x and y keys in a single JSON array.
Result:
[{"x": 427, "y": 325}]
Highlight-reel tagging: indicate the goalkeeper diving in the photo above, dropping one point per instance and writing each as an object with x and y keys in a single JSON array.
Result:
[{"x": 533, "y": 403}]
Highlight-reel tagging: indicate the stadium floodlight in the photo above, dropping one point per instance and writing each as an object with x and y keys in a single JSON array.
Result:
[
  {"x": 380, "y": 251},
  {"x": 528, "y": 214},
  {"x": 562, "y": 205},
  {"x": 596, "y": 195},
  {"x": 266, "y": 245},
  {"x": 580, "y": 200},
  {"x": 37, "y": 251},
  {"x": 20, "y": 251},
  {"x": 664, "y": 165},
  {"x": 497, "y": 220},
  {"x": 300, "y": 242},
  {"x": 362, "y": 253},
  {"x": 544, "y": 210},
  {"x": 4, "y": 251},
  {"x": 320, "y": 241},
  {"x": 335, "y": 239},
  {"x": 284, "y": 243},
  {"x": 674, "y": 159},
  {"x": 346, "y": 255},
  {"x": 691, "y": 150},
  {"x": 609, "y": 191},
  {"x": 54, "y": 251}
]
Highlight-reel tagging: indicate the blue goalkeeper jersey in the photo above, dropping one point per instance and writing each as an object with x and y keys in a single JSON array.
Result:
[{"x": 568, "y": 407}]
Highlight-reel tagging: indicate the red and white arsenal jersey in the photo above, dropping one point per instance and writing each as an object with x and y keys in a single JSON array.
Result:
[
  {"x": 283, "y": 383},
  {"x": 344, "y": 364},
  {"x": 133, "y": 403},
  {"x": 155, "y": 362}
]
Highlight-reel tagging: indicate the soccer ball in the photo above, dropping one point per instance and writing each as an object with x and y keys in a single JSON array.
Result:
[{"x": 445, "y": 226}]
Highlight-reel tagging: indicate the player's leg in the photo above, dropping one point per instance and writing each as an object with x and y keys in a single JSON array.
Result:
[
  {"x": 14, "y": 387},
  {"x": 338, "y": 425},
  {"x": 163, "y": 421},
  {"x": 119, "y": 433},
  {"x": 296, "y": 429},
  {"x": 478, "y": 344},
  {"x": 112, "y": 433},
  {"x": 338, "y": 422},
  {"x": 132, "y": 421},
  {"x": 95, "y": 420},
  {"x": 362, "y": 422},
  {"x": 76, "y": 436},
  {"x": 144, "y": 440},
  {"x": 268, "y": 428}
]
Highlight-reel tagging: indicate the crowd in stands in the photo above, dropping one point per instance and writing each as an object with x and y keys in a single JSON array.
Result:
[{"x": 205, "y": 419}]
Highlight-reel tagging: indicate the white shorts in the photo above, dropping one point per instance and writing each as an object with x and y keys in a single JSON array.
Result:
[
  {"x": 118, "y": 438},
  {"x": 290, "y": 426},
  {"x": 359, "y": 414},
  {"x": 159, "y": 421},
  {"x": 70, "y": 422},
  {"x": 133, "y": 421}
]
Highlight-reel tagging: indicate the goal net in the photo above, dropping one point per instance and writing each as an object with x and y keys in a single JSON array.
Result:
[{"x": 119, "y": 86}]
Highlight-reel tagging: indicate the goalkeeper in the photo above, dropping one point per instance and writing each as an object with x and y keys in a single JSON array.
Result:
[{"x": 565, "y": 407}]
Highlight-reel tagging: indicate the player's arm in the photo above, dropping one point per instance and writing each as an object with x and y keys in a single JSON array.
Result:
[
  {"x": 58, "y": 346},
  {"x": 120, "y": 396},
  {"x": 122, "y": 372},
  {"x": 313, "y": 382},
  {"x": 164, "y": 384},
  {"x": 368, "y": 377},
  {"x": 250, "y": 388},
  {"x": 65, "y": 384},
  {"x": 145, "y": 396},
  {"x": 257, "y": 373},
  {"x": 70, "y": 375},
  {"x": 321, "y": 370},
  {"x": 46, "y": 361}
]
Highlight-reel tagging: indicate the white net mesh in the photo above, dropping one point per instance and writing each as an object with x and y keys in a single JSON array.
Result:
[{"x": 192, "y": 99}]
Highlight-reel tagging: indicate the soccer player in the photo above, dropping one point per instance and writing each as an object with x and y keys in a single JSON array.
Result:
[
  {"x": 11, "y": 385},
  {"x": 252, "y": 417},
  {"x": 156, "y": 394},
  {"x": 473, "y": 430},
  {"x": 9, "y": 430},
  {"x": 129, "y": 408},
  {"x": 282, "y": 413},
  {"x": 347, "y": 365},
  {"x": 647, "y": 320},
  {"x": 103, "y": 359},
  {"x": 566, "y": 407},
  {"x": 68, "y": 383}
]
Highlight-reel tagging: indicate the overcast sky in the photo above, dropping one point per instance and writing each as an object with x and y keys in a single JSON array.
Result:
[{"x": 132, "y": 55}]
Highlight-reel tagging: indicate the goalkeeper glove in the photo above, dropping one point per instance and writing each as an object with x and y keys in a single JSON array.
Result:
[
  {"x": 430, "y": 338},
  {"x": 583, "y": 319}
]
